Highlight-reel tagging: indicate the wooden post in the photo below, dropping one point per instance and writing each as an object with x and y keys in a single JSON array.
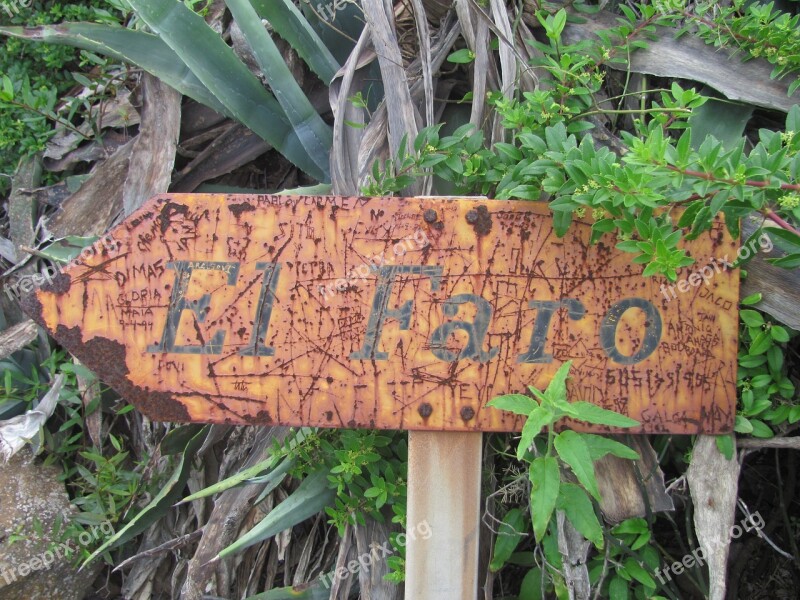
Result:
[{"x": 444, "y": 488}]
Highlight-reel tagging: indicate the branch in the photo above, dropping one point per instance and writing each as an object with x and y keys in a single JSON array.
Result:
[{"x": 792, "y": 443}]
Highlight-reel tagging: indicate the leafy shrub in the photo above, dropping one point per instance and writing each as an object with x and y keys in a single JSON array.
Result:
[{"x": 39, "y": 75}]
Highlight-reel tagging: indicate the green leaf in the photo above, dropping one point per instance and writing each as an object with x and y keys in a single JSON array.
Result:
[
  {"x": 539, "y": 418},
  {"x": 779, "y": 334},
  {"x": 509, "y": 535},
  {"x": 725, "y": 121},
  {"x": 742, "y": 425},
  {"x": 749, "y": 362},
  {"x": 599, "y": 446},
  {"x": 579, "y": 126},
  {"x": 591, "y": 413},
  {"x": 725, "y": 445},
  {"x": 561, "y": 222},
  {"x": 531, "y": 587},
  {"x": 792, "y": 261},
  {"x": 215, "y": 64},
  {"x": 761, "y": 343},
  {"x": 774, "y": 360},
  {"x": 573, "y": 450},
  {"x": 463, "y": 56},
  {"x": 66, "y": 249},
  {"x": 752, "y": 299},
  {"x": 175, "y": 441},
  {"x": 618, "y": 589},
  {"x": 315, "y": 135},
  {"x": 517, "y": 403},
  {"x": 7, "y": 94},
  {"x": 159, "y": 506},
  {"x": 636, "y": 571},
  {"x": 312, "y": 496},
  {"x": 783, "y": 238},
  {"x": 579, "y": 509},
  {"x": 628, "y": 246},
  {"x": 559, "y": 21},
  {"x": 634, "y": 525},
  {"x": 760, "y": 429},
  {"x": 317, "y": 590},
  {"x": 793, "y": 119},
  {"x": 751, "y": 318},
  {"x": 557, "y": 388},
  {"x": 689, "y": 215},
  {"x": 293, "y": 27},
  {"x": 243, "y": 477},
  {"x": 545, "y": 483},
  {"x": 126, "y": 45},
  {"x": 542, "y": 398}
]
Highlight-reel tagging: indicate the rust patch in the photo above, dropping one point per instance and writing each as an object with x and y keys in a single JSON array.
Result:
[
  {"x": 239, "y": 209},
  {"x": 170, "y": 210},
  {"x": 32, "y": 307},
  {"x": 480, "y": 219},
  {"x": 59, "y": 284},
  {"x": 108, "y": 358}
]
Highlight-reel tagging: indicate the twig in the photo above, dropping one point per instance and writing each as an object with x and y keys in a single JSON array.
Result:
[
  {"x": 761, "y": 534},
  {"x": 792, "y": 443},
  {"x": 165, "y": 547},
  {"x": 772, "y": 215},
  {"x": 600, "y": 581},
  {"x": 680, "y": 481}
]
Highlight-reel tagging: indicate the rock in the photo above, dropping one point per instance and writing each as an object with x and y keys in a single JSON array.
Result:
[{"x": 35, "y": 565}]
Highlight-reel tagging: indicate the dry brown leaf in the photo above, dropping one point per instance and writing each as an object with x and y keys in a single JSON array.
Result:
[
  {"x": 153, "y": 154},
  {"x": 92, "y": 209}
]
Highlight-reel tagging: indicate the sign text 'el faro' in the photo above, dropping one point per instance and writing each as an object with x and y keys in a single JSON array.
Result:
[{"x": 393, "y": 313}]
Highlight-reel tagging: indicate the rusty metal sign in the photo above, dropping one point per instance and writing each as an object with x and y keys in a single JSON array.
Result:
[{"x": 394, "y": 313}]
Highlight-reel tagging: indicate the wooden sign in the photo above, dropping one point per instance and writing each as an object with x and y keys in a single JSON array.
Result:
[{"x": 396, "y": 313}]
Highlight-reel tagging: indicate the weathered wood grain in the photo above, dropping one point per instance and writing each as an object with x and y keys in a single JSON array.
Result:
[
  {"x": 632, "y": 488},
  {"x": 714, "y": 486},
  {"x": 397, "y": 313},
  {"x": 443, "y": 521},
  {"x": 17, "y": 337},
  {"x": 779, "y": 288}
]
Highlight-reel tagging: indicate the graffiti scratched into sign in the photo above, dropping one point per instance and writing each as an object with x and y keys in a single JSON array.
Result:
[{"x": 396, "y": 313}]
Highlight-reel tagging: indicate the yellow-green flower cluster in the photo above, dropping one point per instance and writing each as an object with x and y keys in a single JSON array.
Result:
[{"x": 789, "y": 201}]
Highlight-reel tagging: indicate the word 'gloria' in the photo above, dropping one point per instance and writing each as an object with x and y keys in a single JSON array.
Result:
[{"x": 381, "y": 313}]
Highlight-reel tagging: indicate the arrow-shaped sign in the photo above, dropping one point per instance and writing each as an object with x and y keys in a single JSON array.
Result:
[{"x": 398, "y": 313}]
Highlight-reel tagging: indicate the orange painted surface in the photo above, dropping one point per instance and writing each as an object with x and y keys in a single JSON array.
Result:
[{"x": 395, "y": 313}]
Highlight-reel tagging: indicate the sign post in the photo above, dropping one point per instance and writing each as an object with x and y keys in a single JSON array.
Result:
[
  {"x": 444, "y": 491},
  {"x": 393, "y": 313}
]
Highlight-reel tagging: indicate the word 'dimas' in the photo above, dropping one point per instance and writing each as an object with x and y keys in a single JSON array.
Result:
[
  {"x": 380, "y": 314},
  {"x": 389, "y": 313}
]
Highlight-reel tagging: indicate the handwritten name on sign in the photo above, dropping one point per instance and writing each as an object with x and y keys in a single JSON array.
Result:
[{"x": 400, "y": 313}]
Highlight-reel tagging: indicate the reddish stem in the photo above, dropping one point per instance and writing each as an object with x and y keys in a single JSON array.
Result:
[
  {"x": 768, "y": 212},
  {"x": 750, "y": 182},
  {"x": 772, "y": 215}
]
